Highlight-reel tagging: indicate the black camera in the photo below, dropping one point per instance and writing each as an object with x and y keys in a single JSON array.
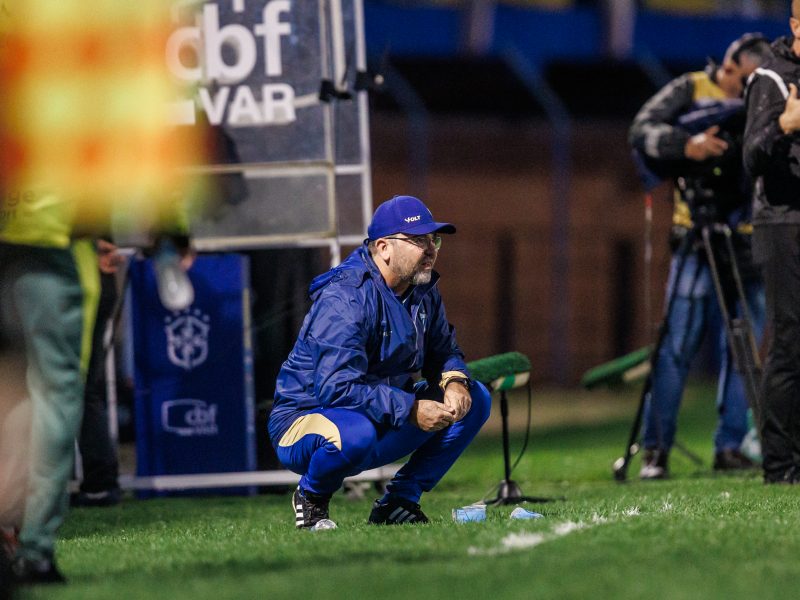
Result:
[{"x": 714, "y": 187}]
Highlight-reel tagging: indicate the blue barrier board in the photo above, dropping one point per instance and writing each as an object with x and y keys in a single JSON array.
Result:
[{"x": 193, "y": 373}]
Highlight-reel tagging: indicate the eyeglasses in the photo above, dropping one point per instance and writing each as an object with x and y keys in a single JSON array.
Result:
[{"x": 421, "y": 241}]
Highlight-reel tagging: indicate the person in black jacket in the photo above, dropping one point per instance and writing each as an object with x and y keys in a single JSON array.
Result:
[
  {"x": 691, "y": 131},
  {"x": 772, "y": 157}
]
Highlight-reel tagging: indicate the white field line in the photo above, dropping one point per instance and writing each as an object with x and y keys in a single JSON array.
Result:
[{"x": 524, "y": 541}]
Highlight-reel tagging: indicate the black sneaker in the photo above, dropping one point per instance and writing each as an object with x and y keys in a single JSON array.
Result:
[
  {"x": 790, "y": 476},
  {"x": 732, "y": 460},
  {"x": 396, "y": 511},
  {"x": 6, "y": 578},
  {"x": 311, "y": 511},
  {"x": 654, "y": 464},
  {"x": 28, "y": 571},
  {"x": 96, "y": 499}
]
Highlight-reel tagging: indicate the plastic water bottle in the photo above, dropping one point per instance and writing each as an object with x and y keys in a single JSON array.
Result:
[
  {"x": 175, "y": 290},
  {"x": 521, "y": 513},
  {"x": 471, "y": 513}
]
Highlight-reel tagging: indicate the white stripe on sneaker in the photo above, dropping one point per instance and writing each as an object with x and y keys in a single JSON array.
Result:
[
  {"x": 403, "y": 517},
  {"x": 297, "y": 504},
  {"x": 397, "y": 511}
]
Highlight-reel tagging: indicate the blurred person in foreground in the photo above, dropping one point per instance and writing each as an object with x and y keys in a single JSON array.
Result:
[
  {"x": 772, "y": 157},
  {"x": 690, "y": 131},
  {"x": 349, "y": 397},
  {"x": 57, "y": 188},
  {"x": 49, "y": 287}
]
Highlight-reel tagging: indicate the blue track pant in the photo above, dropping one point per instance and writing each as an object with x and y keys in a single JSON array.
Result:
[{"x": 325, "y": 445}]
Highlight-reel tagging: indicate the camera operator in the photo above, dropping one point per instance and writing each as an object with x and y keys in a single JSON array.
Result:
[
  {"x": 690, "y": 131},
  {"x": 772, "y": 154}
]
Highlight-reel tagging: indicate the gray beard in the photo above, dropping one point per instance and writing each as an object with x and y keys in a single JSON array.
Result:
[{"x": 421, "y": 278}]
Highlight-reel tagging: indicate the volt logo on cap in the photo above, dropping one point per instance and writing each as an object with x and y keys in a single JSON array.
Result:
[{"x": 405, "y": 214}]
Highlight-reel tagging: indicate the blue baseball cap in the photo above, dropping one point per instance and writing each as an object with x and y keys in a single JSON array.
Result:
[{"x": 405, "y": 214}]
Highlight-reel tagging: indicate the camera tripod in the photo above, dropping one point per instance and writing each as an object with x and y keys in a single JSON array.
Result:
[{"x": 716, "y": 240}]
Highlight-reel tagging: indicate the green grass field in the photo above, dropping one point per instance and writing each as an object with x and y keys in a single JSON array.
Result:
[{"x": 698, "y": 535}]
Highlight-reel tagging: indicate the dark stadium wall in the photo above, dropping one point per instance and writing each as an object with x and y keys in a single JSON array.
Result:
[{"x": 492, "y": 177}]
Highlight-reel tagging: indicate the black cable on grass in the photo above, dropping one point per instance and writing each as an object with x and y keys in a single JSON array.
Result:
[
  {"x": 488, "y": 494},
  {"x": 496, "y": 487},
  {"x": 527, "y": 431}
]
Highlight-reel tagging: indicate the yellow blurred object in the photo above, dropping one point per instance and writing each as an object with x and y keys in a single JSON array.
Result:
[{"x": 85, "y": 108}]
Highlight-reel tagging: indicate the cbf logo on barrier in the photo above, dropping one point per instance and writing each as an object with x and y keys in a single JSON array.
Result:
[
  {"x": 188, "y": 417},
  {"x": 218, "y": 58},
  {"x": 187, "y": 338}
]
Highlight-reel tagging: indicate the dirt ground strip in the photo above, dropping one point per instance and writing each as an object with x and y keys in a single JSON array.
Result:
[{"x": 555, "y": 407}]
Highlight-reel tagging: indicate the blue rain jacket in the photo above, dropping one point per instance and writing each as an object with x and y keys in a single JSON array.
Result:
[{"x": 360, "y": 346}]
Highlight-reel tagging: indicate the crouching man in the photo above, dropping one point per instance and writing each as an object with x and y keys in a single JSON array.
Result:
[{"x": 347, "y": 400}]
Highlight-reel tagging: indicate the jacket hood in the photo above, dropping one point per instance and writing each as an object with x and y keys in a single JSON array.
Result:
[
  {"x": 354, "y": 270},
  {"x": 782, "y": 48}
]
